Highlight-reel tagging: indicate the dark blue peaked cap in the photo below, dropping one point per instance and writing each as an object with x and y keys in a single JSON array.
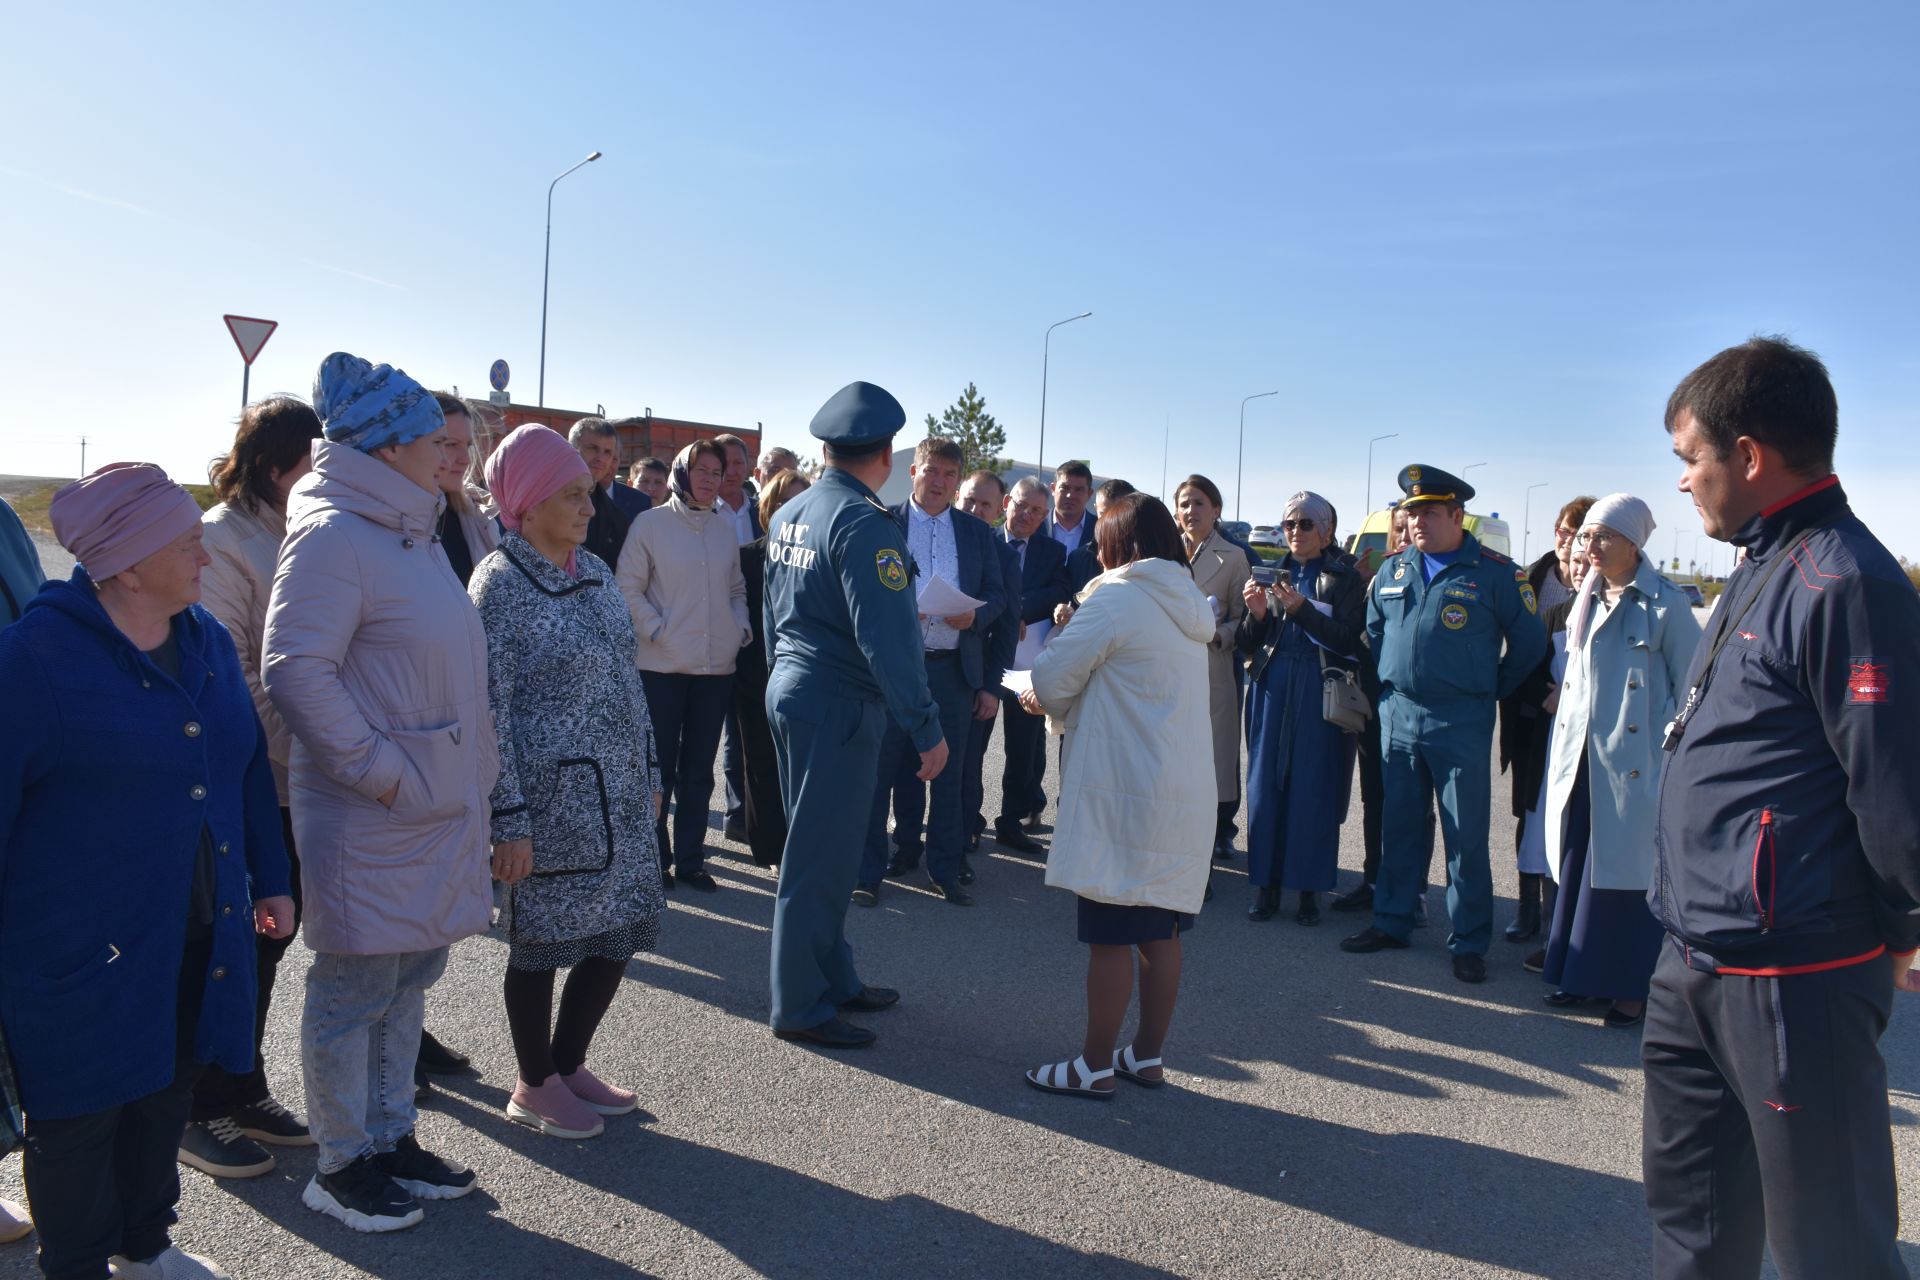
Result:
[{"x": 859, "y": 413}]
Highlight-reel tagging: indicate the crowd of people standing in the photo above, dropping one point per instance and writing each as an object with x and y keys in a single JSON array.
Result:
[{"x": 409, "y": 681}]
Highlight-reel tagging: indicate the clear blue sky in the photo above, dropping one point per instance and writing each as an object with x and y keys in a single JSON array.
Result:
[{"x": 1501, "y": 230}]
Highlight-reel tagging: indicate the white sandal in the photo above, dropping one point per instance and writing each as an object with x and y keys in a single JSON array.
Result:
[
  {"x": 1058, "y": 1078},
  {"x": 1129, "y": 1067}
]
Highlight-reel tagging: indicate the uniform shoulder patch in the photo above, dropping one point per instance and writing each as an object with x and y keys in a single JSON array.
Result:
[
  {"x": 1869, "y": 681},
  {"x": 892, "y": 568},
  {"x": 1528, "y": 599}
]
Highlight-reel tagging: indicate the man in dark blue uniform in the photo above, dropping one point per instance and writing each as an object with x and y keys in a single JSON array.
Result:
[
  {"x": 843, "y": 639},
  {"x": 1436, "y": 617},
  {"x": 1787, "y": 855}
]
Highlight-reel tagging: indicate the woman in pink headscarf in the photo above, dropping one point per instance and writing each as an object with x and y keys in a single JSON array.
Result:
[
  {"x": 140, "y": 854},
  {"x": 573, "y": 812}
]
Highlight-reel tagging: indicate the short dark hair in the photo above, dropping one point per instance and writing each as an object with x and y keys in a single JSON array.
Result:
[
  {"x": 272, "y": 435},
  {"x": 727, "y": 440},
  {"x": 993, "y": 478},
  {"x": 1205, "y": 486},
  {"x": 1110, "y": 490},
  {"x": 1138, "y": 526},
  {"x": 939, "y": 447},
  {"x": 649, "y": 463},
  {"x": 1770, "y": 390},
  {"x": 1075, "y": 468},
  {"x": 856, "y": 452},
  {"x": 1575, "y": 512}
]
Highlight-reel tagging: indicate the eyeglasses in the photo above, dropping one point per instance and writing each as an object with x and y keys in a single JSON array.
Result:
[
  {"x": 1304, "y": 526},
  {"x": 1597, "y": 537},
  {"x": 1563, "y": 534}
]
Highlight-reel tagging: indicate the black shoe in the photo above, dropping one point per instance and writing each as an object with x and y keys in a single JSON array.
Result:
[
  {"x": 1265, "y": 903},
  {"x": 1526, "y": 921},
  {"x": 1624, "y": 1021},
  {"x": 954, "y": 894},
  {"x": 866, "y": 895},
  {"x": 1010, "y": 836},
  {"x": 1470, "y": 968},
  {"x": 872, "y": 1000},
  {"x": 363, "y": 1196},
  {"x": 966, "y": 871},
  {"x": 1358, "y": 898},
  {"x": 1034, "y": 824},
  {"x": 218, "y": 1148},
  {"x": 424, "y": 1174},
  {"x": 900, "y": 867},
  {"x": 699, "y": 880},
  {"x": 1536, "y": 961},
  {"x": 1222, "y": 850},
  {"x": 267, "y": 1121},
  {"x": 1309, "y": 912},
  {"x": 1568, "y": 1000},
  {"x": 1370, "y": 939},
  {"x": 834, "y": 1033},
  {"x": 735, "y": 829},
  {"x": 666, "y": 879},
  {"x": 438, "y": 1060}
]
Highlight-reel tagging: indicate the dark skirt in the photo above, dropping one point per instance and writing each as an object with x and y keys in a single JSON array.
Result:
[
  {"x": 1604, "y": 942},
  {"x": 1106, "y": 924}
]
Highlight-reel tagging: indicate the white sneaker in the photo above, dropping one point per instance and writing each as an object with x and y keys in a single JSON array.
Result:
[
  {"x": 15, "y": 1224},
  {"x": 174, "y": 1264}
]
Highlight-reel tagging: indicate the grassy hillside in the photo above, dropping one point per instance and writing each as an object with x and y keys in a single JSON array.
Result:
[{"x": 32, "y": 507}]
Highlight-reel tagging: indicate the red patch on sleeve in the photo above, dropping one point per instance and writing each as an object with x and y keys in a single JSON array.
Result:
[{"x": 1869, "y": 681}]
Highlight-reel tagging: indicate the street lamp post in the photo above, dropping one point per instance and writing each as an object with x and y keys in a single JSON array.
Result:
[
  {"x": 1526, "y": 521},
  {"x": 546, "y": 268},
  {"x": 1240, "y": 466},
  {"x": 1376, "y": 440},
  {"x": 1470, "y": 466},
  {"x": 1046, "y": 355}
]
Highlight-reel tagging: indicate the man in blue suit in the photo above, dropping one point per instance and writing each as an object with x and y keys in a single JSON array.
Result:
[
  {"x": 1042, "y": 584},
  {"x": 950, "y": 544},
  {"x": 982, "y": 496}
]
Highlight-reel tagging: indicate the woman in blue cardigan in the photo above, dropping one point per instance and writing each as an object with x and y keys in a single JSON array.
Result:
[{"x": 140, "y": 851}]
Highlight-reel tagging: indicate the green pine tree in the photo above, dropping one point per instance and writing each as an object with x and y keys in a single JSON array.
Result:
[{"x": 967, "y": 423}]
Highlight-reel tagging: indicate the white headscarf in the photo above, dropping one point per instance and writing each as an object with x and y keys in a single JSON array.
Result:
[{"x": 1633, "y": 520}]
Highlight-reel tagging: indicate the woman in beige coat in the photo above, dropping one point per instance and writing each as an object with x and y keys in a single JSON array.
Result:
[
  {"x": 271, "y": 451},
  {"x": 1129, "y": 680},
  {"x": 1221, "y": 571},
  {"x": 680, "y": 573},
  {"x": 377, "y": 661}
]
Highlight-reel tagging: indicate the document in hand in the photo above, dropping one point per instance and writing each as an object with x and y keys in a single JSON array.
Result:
[
  {"x": 941, "y": 599},
  {"x": 1029, "y": 648}
]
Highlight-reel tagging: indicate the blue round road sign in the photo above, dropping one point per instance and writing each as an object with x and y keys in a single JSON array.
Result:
[{"x": 498, "y": 375}]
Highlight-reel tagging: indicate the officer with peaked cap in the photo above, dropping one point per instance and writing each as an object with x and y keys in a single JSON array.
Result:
[
  {"x": 1437, "y": 614},
  {"x": 843, "y": 638}
]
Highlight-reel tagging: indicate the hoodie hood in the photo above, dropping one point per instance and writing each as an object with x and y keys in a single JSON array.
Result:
[
  {"x": 1170, "y": 586},
  {"x": 345, "y": 479}
]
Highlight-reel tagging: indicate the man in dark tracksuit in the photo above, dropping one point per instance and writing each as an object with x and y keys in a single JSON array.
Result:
[{"x": 1787, "y": 867}]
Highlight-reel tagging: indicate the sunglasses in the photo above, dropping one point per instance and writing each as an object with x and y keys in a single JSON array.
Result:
[{"x": 1304, "y": 526}]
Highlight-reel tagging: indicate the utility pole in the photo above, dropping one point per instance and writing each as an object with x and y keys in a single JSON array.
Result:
[{"x": 83, "y": 455}]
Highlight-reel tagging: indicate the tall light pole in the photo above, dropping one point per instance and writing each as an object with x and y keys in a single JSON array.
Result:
[
  {"x": 1240, "y": 466},
  {"x": 1526, "y": 522},
  {"x": 1470, "y": 466},
  {"x": 546, "y": 268},
  {"x": 1046, "y": 355},
  {"x": 1376, "y": 440}
]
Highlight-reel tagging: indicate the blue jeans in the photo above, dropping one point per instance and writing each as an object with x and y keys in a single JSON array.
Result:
[
  {"x": 688, "y": 712},
  {"x": 359, "y": 1038},
  {"x": 899, "y": 762}
]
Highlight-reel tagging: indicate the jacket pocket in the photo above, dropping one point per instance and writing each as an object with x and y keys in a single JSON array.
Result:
[
  {"x": 70, "y": 980},
  {"x": 573, "y": 826},
  {"x": 1787, "y": 885},
  {"x": 439, "y": 779}
]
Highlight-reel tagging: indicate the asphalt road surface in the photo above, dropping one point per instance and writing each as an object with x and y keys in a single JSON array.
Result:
[{"x": 1329, "y": 1115}]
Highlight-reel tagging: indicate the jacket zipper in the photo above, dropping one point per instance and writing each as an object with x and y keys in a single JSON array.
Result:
[{"x": 1764, "y": 843}]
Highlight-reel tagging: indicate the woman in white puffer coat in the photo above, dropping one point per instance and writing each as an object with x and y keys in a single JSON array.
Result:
[{"x": 1128, "y": 679}]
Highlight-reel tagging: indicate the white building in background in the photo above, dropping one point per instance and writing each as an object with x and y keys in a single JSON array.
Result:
[{"x": 900, "y": 484}]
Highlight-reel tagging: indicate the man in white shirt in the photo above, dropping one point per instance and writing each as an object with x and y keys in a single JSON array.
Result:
[
  {"x": 1072, "y": 487},
  {"x": 736, "y": 505}
]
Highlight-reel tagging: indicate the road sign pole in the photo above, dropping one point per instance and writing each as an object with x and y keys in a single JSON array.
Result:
[{"x": 246, "y": 373}]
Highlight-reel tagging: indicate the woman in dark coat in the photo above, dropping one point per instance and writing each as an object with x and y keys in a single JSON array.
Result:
[
  {"x": 766, "y": 815},
  {"x": 1300, "y": 767},
  {"x": 140, "y": 852}
]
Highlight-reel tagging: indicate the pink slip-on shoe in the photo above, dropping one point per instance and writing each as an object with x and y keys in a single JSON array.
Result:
[
  {"x": 553, "y": 1109},
  {"x": 607, "y": 1099}
]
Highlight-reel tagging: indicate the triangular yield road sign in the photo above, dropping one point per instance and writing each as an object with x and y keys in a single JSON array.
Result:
[{"x": 250, "y": 334}]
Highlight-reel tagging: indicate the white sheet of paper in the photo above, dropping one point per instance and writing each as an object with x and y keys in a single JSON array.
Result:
[
  {"x": 1029, "y": 648},
  {"x": 941, "y": 599},
  {"x": 1017, "y": 682}
]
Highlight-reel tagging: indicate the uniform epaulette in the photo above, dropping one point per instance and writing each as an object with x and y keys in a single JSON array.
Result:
[{"x": 1488, "y": 553}]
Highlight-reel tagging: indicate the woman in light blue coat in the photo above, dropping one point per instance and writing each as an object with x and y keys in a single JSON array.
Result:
[{"x": 1630, "y": 642}]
